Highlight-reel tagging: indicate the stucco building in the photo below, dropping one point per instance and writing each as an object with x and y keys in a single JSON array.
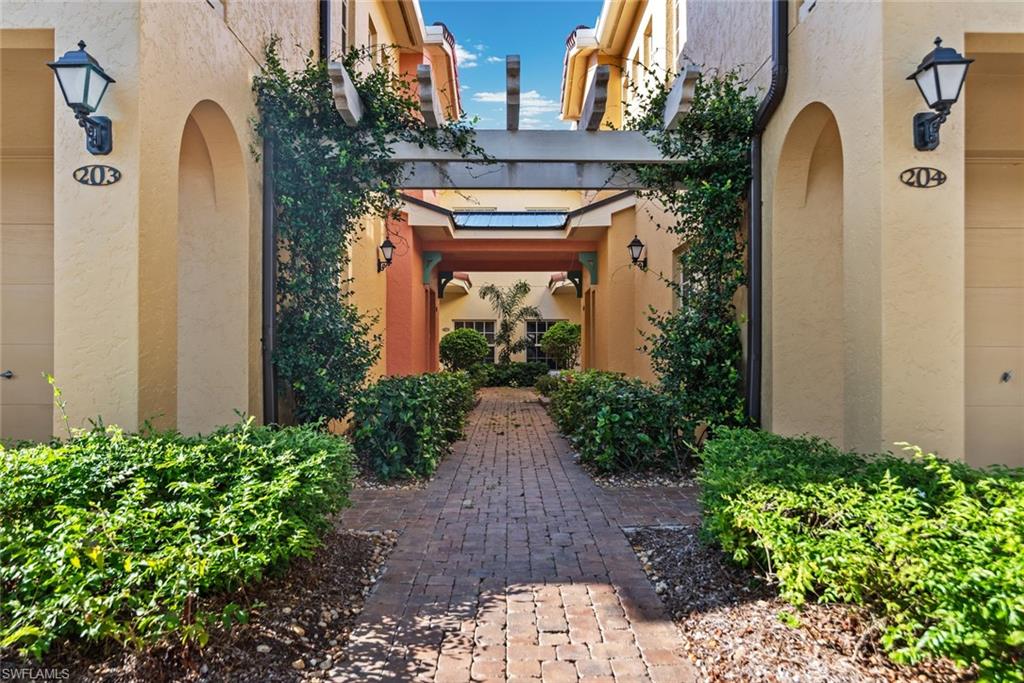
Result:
[{"x": 879, "y": 312}]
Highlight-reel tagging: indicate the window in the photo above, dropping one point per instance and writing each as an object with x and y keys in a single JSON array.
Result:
[
  {"x": 680, "y": 25},
  {"x": 484, "y": 327},
  {"x": 344, "y": 25},
  {"x": 678, "y": 276},
  {"x": 535, "y": 329},
  {"x": 648, "y": 45},
  {"x": 373, "y": 43}
]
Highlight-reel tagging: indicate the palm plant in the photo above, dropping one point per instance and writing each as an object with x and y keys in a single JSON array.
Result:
[{"x": 508, "y": 306}]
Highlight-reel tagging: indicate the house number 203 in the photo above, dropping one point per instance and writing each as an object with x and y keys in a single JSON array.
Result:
[{"x": 97, "y": 174}]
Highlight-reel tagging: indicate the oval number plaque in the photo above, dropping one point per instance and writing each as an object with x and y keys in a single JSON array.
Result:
[
  {"x": 923, "y": 176},
  {"x": 97, "y": 174}
]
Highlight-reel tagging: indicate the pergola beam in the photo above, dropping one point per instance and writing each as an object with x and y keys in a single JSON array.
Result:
[
  {"x": 546, "y": 175},
  {"x": 346, "y": 98},
  {"x": 512, "y": 92},
  {"x": 536, "y": 146},
  {"x": 428, "y": 97},
  {"x": 680, "y": 98},
  {"x": 597, "y": 99}
]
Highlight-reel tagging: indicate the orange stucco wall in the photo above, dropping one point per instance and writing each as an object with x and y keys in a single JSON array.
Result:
[{"x": 411, "y": 314}]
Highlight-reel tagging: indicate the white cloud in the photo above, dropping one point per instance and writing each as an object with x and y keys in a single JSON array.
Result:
[
  {"x": 466, "y": 58},
  {"x": 494, "y": 60},
  {"x": 535, "y": 110},
  {"x": 531, "y": 102}
]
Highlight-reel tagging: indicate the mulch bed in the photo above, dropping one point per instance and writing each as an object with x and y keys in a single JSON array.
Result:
[
  {"x": 735, "y": 627},
  {"x": 639, "y": 480},
  {"x": 298, "y": 627}
]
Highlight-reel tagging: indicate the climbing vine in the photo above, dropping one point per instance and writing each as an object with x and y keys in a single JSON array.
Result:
[
  {"x": 695, "y": 349},
  {"x": 328, "y": 177}
]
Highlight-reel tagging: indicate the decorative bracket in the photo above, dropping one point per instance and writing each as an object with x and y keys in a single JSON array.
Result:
[
  {"x": 428, "y": 98},
  {"x": 443, "y": 278},
  {"x": 512, "y": 92},
  {"x": 430, "y": 259},
  {"x": 346, "y": 97},
  {"x": 597, "y": 99},
  {"x": 680, "y": 98},
  {"x": 576, "y": 277},
  {"x": 589, "y": 261}
]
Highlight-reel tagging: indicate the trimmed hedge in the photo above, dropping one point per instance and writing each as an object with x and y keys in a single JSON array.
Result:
[
  {"x": 934, "y": 547},
  {"x": 119, "y": 536},
  {"x": 509, "y": 374},
  {"x": 463, "y": 348},
  {"x": 619, "y": 424},
  {"x": 403, "y": 426}
]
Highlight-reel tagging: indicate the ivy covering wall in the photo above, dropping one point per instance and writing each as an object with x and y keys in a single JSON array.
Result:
[
  {"x": 695, "y": 350},
  {"x": 328, "y": 177}
]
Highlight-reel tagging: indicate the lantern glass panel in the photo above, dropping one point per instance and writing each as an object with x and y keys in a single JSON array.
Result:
[
  {"x": 950, "y": 79},
  {"x": 928, "y": 85},
  {"x": 73, "y": 83},
  {"x": 97, "y": 86}
]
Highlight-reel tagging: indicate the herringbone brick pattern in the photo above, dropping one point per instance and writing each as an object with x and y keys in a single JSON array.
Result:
[{"x": 512, "y": 565}]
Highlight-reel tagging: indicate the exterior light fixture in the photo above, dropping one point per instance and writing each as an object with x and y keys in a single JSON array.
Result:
[
  {"x": 940, "y": 78},
  {"x": 387, "y": 250},
  {"x": 83, "y": 82},
  {"x": 636, "y": 250}
]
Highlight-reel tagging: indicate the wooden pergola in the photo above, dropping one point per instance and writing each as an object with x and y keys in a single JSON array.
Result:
[{"x": 583, "y": 159}]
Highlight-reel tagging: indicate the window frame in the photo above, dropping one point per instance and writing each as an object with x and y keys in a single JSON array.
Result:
[
  {"x": 533, "y": 340},
  {"x": 476, "y": 324}
]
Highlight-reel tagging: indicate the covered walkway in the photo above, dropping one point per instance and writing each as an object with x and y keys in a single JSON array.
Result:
[{"x": 513, "y": 562}]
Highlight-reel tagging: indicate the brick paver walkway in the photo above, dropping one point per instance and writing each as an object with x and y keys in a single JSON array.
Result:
[{"x": 512, "y": 564}]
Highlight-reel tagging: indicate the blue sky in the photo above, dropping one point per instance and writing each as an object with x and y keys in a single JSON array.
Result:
[{"x": 487, "y": 30}]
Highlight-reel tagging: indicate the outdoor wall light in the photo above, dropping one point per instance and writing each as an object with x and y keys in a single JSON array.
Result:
[
  {"x": 940, "y": 78},
  {"x": 83, "y": 82},
  {"x": 387, "y": 250},
  {"x": 636, "y": 250}
]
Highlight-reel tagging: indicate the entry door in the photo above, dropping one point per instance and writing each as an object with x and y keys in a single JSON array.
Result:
[
  {"x": 26, "y": 243},
  {"x": 994, "y": 260}
]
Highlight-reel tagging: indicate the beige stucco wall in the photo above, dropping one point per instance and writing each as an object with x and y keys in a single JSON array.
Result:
[
  {"x": 460, "y": 304},
  {"x": 903, "y": 248},
  {"x": 116, "y": 284}
]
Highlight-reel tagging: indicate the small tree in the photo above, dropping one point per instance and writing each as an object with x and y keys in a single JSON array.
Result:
[
  {"x": 508, "y": 305},
  {"x": 562, "y": 342},
  {"x": 462, "y": 349}
]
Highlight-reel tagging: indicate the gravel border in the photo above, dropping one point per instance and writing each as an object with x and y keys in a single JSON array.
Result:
[
  {"x": 735, "y": 627},
  {"x": 299, "y": 625}
]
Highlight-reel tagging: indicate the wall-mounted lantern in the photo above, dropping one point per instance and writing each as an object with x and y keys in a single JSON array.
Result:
[
  {"x": 940, "y": 78},
  {"x": 387, "y": 251},
  {"x": 83, "y": 82},
  {"x": 636, "y": 251}
]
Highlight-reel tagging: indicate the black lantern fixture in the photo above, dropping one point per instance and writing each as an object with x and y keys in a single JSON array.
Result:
[
  {"x": 83, "y": 82},
  {"x": 636, "y": 250},
  {"x": 940, "y": 78},
  {"x": 387, "y": 250}
]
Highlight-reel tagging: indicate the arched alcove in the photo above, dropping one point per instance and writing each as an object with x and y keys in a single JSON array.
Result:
[
  {"x": 808, "y": 328},
  {"x": 213, "y": 219}
]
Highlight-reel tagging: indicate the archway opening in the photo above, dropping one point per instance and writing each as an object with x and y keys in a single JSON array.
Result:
[
  {"x": 807, "y": 280},
  {"x": 212, "y": 265}
]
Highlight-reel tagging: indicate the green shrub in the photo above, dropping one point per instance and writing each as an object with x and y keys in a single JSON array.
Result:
[
  {"x": 511, "y": 374},
  {"x": 935, "y": 547},
  {"x": 119, "y": 536},
  {"x": 403, "y": 426},
  {"x": 619, "y": 424},
  {"x": 463, "y": 348},
  {"x": 562, "y": 342},
  {"x": 547, "y": 384}
]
